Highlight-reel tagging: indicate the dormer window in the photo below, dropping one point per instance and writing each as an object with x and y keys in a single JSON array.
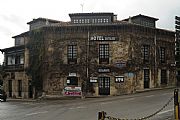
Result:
[{"x": 92, "y": 18}]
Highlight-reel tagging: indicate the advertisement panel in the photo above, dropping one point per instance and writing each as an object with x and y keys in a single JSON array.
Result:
[{"x": 72, "y": 91}]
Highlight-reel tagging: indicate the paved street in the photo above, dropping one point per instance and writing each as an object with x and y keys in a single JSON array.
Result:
[{"x": 126, "y": 106}]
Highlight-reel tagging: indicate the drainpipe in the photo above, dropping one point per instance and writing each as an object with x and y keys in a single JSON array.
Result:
[
  {"x": 155, "y": 56},
  {"x": 87, "y": 65}
]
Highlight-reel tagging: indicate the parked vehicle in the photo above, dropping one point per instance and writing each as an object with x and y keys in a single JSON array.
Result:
[{"x": 3, "y": 95}]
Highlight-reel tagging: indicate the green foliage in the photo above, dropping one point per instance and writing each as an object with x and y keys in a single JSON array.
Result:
[{"x": 36, "y": 57}]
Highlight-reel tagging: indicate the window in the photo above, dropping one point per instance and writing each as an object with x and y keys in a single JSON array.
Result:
[
  {"x": 87, "y": 20},
  {"x": 74, "y": 21},
  {"x": 99, "y": 20},
  {"x": 104, "y": 53},
  {"x": 163, "y": 77},
  {"x": 72, "y": 54},
  {"x": 19, "y": 41},
  {"x": 19, "y": 59},
  {"x": 82, "y": 20},
  {"x": 95, "y": 20},
  {"x": 162, "y": 54},
  {"x": 72, "y": 81},
  {"x": 107, "y": 20},
  {"x": 145, "y": 53},
  {"x": 11, "y": 60},
  {"x": 92, "y": 20}
]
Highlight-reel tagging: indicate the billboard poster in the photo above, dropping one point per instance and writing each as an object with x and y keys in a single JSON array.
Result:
[{"x": 72, "y": 91}]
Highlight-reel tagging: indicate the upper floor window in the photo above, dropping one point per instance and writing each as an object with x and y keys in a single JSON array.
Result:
[
  {"x": 19, "y": 41},
  {"x": 162, "y": 54},
  {"x": 19, "y": 59},
  {"x": 145, "y": 53},
  {"x": 11, "y": 60},
  {"x": 72, "y": 54},
  {"x": 104, "y": 53}
]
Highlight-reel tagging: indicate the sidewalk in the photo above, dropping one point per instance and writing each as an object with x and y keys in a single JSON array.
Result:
[{"x": 88, "y": 97}]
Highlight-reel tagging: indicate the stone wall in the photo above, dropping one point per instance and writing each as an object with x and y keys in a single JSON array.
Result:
[{"x": 125, "y": 58}]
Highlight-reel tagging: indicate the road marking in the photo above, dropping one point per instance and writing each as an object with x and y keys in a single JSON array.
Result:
[
  {"x": 35, "y": 113},
  {"x": 149, "y": 96},
  {"x": 165, "y": 111}
]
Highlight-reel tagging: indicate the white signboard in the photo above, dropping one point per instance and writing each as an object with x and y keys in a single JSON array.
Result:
[
  {"x": 93, "y": 79},
  {"x": 119, "y": 79},
  {"x": 72, "y": 74}
]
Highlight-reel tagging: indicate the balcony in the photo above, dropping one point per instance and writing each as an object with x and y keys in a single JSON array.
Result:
[{"x": 16, "y": 67}]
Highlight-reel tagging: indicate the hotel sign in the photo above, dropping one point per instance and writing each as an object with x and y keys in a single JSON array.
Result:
[{"x": 103, "y": 38}]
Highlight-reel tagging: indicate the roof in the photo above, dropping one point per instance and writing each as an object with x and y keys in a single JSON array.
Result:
[
  {"x": 43, "y": 19},
  {"x": 21, "y": 35},
  {"x": 12, "y": 48},
  {"x": 92, "y": 14},
  {"x": 142, "y": 16}
]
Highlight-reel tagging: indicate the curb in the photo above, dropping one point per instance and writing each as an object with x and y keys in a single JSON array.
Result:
[{"x": 56, "y": 97}]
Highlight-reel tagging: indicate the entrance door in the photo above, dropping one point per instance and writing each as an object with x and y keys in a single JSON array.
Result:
[
  {"x": 10, "y": 88},
  {"x": 146, "y": 78},
  {"x": 30, "y": 89},
  {"x": 19, "y": 88},
  {"x": 104, "y": 85}
]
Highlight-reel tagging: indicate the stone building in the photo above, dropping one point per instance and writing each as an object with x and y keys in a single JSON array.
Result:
[
  {"x": 96, "y": 54},
  {"x": 16, "y": 82}
]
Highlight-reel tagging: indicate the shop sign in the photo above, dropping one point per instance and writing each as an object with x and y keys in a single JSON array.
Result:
[
  {"x": 103, "y": 38},
  {"x": 93, "y": 79},
  {"x": 103, "y": 70},
  {"x": 72, "y": 91},
  {"x": 72, "y": 74},
  {"x": 119, "y": 79}
]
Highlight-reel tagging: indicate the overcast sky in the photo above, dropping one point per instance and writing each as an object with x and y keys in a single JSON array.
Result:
[{"x": 14, "y": 14}]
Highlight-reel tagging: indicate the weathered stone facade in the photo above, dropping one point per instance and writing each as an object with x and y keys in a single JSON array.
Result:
[
  {"x": 110, "y": 58},
  {"x": 16, "y": 82},
  {"x": 126, "y": 51}
]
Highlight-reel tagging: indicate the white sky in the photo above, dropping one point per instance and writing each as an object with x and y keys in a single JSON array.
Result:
[{"x": 14, "y": 14}]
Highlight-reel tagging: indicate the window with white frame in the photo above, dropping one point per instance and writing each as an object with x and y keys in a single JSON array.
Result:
[
  {"x": 104, "y": 53},
  {"x": 72, "y": 54},
  {"x": 162, "y": 54}
]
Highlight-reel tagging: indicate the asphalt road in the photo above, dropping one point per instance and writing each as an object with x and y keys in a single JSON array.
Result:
[{"x": 127, "y": 106}]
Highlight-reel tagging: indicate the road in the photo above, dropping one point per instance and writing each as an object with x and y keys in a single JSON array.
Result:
[{"x": 127, "y": 106}]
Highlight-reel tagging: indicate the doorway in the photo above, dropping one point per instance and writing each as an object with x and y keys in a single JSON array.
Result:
[{"x": 104, "y": 85}]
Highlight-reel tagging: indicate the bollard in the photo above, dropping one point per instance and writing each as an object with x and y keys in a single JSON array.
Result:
[
  {"x": 101, "y": 115},
  {"x": 176, "y": 104}
]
